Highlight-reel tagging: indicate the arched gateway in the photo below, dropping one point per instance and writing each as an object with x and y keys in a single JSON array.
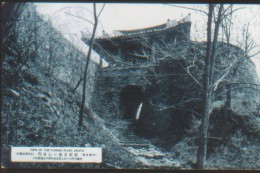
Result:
[
  {"x": 130, "y": 99},
  {"x": 137, "y": 68}
]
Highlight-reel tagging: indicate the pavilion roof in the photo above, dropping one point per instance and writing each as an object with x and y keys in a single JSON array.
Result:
[{"x": 128, "y": 34}]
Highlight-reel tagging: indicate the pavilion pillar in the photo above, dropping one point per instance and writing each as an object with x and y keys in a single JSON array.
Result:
[
  {"x": 100, "y": 62},
  {"x": 119, "y": 51}
]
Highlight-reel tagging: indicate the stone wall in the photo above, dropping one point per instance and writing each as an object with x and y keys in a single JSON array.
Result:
[
  {"x": 171, "y": 96},
  {"x": 109, "y": 83}
]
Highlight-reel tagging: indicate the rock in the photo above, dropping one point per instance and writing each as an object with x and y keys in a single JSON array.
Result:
[
  {"x": 12, "y": 63},
  {"x": 47, "y": 127},
  {"x": 24, "y": 68},
  {"x": 13, "y": 93},
  {"x": 176, "y": 164},
  {"x": 54, "y": 110},
  {"x": 47, "y": 93},
  {"x": 58, "y": 113},
  {"x": 47, "y": 104},
  {"x": 30, "y": 78},
  {"x": 108, "y": 165},
  {"x": 42, "y": 97},
  {"x": 24, "y": 90}
]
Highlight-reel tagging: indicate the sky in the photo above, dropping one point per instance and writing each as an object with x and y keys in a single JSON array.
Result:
[{"x": 125, "y": 16}]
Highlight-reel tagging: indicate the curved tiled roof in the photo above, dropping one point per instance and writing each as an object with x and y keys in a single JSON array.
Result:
[
  {"x": 125, "y": 33},
  {"x": 159, "y": 27}
]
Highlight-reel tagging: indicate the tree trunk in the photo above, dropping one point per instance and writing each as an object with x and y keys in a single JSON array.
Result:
[
  {"x": 50, "y": 56},
  {"x": 77, "y": 85},
  {"x": 202, "y": 146},
  {"x": 207, "y": 85},
  {"x": 229, "y": 93},
  {"x": 35, "y": 39},
  {"x": 214, "y": 45},
  {"x": 86, "y": 69}
]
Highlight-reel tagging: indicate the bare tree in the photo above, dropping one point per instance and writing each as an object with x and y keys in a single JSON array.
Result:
[
  {"x": 250, "y": 49},
  {"x": 207, "y": 83},
  {"x": 25, "y": 40},
  {"x": 226, "y": 33},
  {"x": 213, "y": 74},
  {"x": 11, "y": 13},
  {"x": 91, "y": 42}
]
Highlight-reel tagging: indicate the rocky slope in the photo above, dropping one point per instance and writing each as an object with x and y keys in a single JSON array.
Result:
[{"x": 40, "y": 107}]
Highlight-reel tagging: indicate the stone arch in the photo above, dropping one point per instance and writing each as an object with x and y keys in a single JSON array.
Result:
[{"x": 130, "y": 98}]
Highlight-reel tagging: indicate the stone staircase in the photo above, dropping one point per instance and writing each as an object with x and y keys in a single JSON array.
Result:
[
  {"x": 146, "y": 153},
  {"x": 131, "y": 140}
]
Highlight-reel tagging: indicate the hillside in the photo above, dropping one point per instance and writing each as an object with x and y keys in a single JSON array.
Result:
[
  {"x": 40, "y": 107},
  {"x": 45, "y": 113}
]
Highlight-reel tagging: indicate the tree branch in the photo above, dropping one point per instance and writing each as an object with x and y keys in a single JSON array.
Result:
[
  {"x": 186, "y": 8},
  {"x": 80, "y": 18}
]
